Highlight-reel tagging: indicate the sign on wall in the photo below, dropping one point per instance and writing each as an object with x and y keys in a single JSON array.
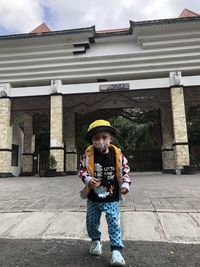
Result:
[{"x": 114, "y": 87}]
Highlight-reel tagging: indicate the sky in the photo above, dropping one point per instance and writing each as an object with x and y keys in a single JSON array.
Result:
[{"x": 22, "y": 16}]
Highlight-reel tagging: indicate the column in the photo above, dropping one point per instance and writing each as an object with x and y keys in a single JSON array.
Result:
[
  {"x": 56, "y": 132},
  {"x": 167, "y": 140},
  {"x": 28, "y": 146},
  {"x": 180, "y": 144},
  {"x": 5, "y": 137},
  {"x": 70, "y": 153}
]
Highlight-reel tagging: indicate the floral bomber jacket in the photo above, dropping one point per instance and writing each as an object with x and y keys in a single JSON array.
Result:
[{"x": 86, "y": 168}]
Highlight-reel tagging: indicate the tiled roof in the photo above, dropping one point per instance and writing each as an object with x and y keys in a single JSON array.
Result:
[
  {"x": 41, "y": 28},
  {"x": 186, "y": 16},
  {"x": 188, "y": 13}
]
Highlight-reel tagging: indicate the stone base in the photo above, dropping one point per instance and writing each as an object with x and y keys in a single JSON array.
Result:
[
  {"x": 61, "y": 174},
  {"x": 168, "y": 171},
  {"x": 71, "y": 172},
  {"x": 188, "y": 170},
  {"x": 6, "y": 174},
  {"x": 168, "y": 159},
  {"x": 71, "y": 163},
  {"x": 54, "y": 173},
  {"x": 26, "y": 174}
]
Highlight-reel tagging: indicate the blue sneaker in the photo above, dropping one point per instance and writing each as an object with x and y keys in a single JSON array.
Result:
[
  {"x": 117, "y": 259},
  {"x": 95, "y": 248}
]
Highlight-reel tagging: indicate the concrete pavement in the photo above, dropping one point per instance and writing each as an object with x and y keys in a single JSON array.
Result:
[
  {"x": 158, "y": 208},
  {"x": 140, "y": 226}
]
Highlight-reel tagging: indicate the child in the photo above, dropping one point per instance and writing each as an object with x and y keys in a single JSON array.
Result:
[{"x": 104, "y": 171}]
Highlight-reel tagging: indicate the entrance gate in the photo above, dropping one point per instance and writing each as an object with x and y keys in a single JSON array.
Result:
[
  {"x": 40, "y": 162},
  {"x": 144, "y": 160}
]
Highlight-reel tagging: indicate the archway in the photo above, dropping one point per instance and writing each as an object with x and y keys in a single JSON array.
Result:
[{"x": 139, "y": 135}]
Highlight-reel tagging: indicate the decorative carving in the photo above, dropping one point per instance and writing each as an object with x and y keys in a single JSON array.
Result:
[
  {"x": 175, "y": 78},
  {"x": 56, "y": 86},
  {"x": 3, "y": 93},
  {"x": 4, "y": 89}
]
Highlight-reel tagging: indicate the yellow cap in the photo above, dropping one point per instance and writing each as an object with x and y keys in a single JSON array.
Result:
[
  {"x": 98, "y": 123},
  {"x": 99, "y": 126}
]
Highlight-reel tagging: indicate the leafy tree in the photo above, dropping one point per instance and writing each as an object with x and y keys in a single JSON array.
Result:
[
  {"x": 135, "y": 132},
  {"x": 133, "y": 135}
]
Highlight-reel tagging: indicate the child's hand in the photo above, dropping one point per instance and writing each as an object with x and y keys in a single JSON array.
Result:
[
  {"x": 94, "y": 183},
  {"x": 124, "y": 190}
]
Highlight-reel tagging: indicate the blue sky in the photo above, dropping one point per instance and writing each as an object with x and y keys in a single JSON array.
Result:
[{"x": 21, "y": 16}]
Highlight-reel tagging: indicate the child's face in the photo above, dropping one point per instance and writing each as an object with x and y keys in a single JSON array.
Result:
[{"x": 101, "y": 141}]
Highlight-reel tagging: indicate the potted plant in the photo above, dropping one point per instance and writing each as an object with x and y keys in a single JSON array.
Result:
[
  {"x": 52, "y": 165},
  {"x": 52, "y": 162}
]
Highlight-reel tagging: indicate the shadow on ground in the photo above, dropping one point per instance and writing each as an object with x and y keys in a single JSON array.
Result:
[{"x": 74, "y": 253}]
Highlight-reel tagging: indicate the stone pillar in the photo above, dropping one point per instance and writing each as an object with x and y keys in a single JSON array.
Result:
[
  {"x": 5, "y": 137},
  {"x": 180, "y": 144},
  {"x": 56, "y": 132},
  {"x": 28, "y": 146},
  {"x": 70, "y": 153},
  {"x": 167, "y": 140}
]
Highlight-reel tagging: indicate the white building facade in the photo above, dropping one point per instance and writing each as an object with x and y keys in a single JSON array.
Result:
[{"x": 57, "y": 74}]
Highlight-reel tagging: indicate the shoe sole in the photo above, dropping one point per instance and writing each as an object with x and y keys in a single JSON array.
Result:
[
  {"x": 117, "y": 264},
  {"x": 95, "y": 254}
]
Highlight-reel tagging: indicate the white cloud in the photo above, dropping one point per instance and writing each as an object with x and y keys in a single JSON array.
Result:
[
  {"x": 107, "y": 14},
  {"x": 20, "y": 15},
  {"x": 84, "y": 13},
  {"x": 25, "y": 15}
]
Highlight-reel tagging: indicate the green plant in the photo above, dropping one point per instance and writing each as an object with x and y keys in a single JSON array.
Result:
[{"x": 52, "y": 161}]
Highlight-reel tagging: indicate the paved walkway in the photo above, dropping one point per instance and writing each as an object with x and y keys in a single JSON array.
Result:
[{"x": 158, "y": 208}]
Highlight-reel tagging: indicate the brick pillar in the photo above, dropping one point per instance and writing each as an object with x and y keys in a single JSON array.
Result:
[
  {"x": 56, "y": 132},
  {"x": 5, "y": 138},
  {"x": 28, "y": 146},
  {"x": 167, "y": 140},
  {"x": 70, "y": 153},
  {"x": 180, "y": 144}
]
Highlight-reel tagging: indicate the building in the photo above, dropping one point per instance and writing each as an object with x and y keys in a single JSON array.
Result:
[{"x": 58, "y": 79}]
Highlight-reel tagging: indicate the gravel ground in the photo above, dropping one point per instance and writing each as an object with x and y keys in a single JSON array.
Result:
[{"x": 74, "y": 253}]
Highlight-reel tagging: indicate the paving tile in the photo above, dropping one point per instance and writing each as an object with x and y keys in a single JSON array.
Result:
[
  {"x": 32, "y": 226},
  {"x": 162, "y": 204},
  {"x": 66, "y": 225},
  {"x": 179, "y": 227},
  {"x": 196, "y": 217},
  {"x": 8, "y": 220},
  {"x": 141, "y": 226}
]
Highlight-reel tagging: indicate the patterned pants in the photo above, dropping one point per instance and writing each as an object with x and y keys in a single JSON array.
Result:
[{"x": 112, "y": 210}]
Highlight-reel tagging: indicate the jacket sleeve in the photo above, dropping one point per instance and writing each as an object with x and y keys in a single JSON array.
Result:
[
  {"x": 83, "y": 172},
  {"x": 126, "y": 181}
]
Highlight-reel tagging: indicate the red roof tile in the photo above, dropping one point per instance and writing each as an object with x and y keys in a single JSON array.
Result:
[
  {"x": 188, "y": 13},
  {"x": 41, "y": 28}
]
